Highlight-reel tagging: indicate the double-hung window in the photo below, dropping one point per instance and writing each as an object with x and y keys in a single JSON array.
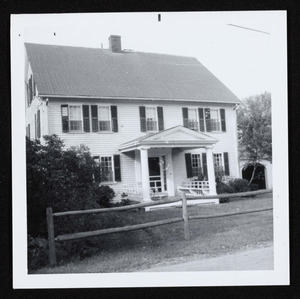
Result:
[
  {"x": 89, "y": 118},
  {"x": 204, "y": 119},
  {"x": 214, "y": 120},
  {"x": 106, "y": 169},
  {"x": 190, "y": 118},
  {"x": 151, "y": 119},
  {"x": 75, "y": 118},
  {"x": 218, "y": 164},
  {"x": 104, "y": 118},
  {"x": 196, "y": 165}
]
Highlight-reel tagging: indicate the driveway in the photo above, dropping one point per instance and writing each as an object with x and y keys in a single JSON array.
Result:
[{"x": 250, "y": 259}]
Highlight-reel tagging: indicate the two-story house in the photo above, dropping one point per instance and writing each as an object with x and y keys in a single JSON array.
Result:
[{"x": 151, "y": 121}]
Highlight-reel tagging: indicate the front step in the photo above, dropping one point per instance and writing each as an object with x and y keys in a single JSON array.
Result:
[{"x": 179, "y": 204}]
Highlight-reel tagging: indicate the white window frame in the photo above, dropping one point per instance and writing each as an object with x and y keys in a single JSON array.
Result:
[
  {"x": 222, "y": 156},
  {"x": 81, "y": 118},
  {"x": 156, "y": 120},
  {"x": 199, "y": 161},
  {"x": 219, "y": 119},
  {"x": 110, "y": 119},
  {"x": 197, "y": 117},
  {"x": 112, "y": 166}
]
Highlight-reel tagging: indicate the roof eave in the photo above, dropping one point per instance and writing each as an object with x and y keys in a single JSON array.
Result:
[{"x": 237, "y": 101}]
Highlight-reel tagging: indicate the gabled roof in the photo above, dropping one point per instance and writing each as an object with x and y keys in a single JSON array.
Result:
[
  {"x": 175, "y": 137},
  {"x": 87, "y": 72}
]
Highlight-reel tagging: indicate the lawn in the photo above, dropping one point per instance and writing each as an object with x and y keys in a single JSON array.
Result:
[{"x": 141, "y": 249}]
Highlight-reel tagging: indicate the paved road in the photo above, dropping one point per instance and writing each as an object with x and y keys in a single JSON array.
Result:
[{"x": 251, "y": 259}]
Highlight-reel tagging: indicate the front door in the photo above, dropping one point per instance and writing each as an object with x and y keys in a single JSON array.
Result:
[{"x": 156, "y": 174}]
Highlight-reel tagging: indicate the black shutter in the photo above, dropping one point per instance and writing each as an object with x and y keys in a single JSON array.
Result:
[
  {"x": 29, "y": 131},
  {"x": 38, "y": 124},
  {"x": 114, "y": 117},
  {"x": 34, "y": 88},
  {"x": 204, "y": 162},
  {"x": 117, "y": 166},
  {"x": 30, "y": 89},
  {"x": 86, "y": 118},
  {"x": 94, "y": 111},
  {"x": 35, "y": 131},
  {"x": 223, "y": 121},
  {"x": 226, "y": 163},
  {"x": 143, "y": 118},
  {"x": 207, "y": 119},
  {"x": 27, "y": 93},
  {"x": 188, "y": 164},
  {"x": 201, "y": 119},
  {"x": 65, "y": 118},
  {"x": 185, "y": 117},
  {"x": 97, "y": 169},
  {"x": 160, "y": 114}
]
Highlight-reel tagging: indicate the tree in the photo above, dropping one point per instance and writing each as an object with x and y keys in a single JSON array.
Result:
[
  {"x": 57, "y": 178},
  {"x": 254, "y": 130}
]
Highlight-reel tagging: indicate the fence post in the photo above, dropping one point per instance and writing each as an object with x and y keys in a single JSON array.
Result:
[
  {"x": 50, "y": 228},
  {"x": 185, "y": 217}
]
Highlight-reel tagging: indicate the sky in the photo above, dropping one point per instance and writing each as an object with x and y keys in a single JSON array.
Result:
[{"x": 240, "y": 58}]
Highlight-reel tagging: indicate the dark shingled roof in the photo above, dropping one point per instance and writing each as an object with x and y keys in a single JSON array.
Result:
[{"x": 77, "y": 71}]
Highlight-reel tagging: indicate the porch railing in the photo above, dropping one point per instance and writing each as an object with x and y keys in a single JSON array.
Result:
[
  {"x": 196, "y": 187},
  {"x": 133, "y": 189}
]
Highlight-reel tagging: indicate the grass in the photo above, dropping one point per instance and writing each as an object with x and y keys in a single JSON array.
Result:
[{"x": 141, "y": 249}]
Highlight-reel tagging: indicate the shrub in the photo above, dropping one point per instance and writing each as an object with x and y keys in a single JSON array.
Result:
[
  {"x": 254, "y": 187},
  {"x": 62, "y": 179},
  {"x": 232, "y": 186},
  {"x": 103, "y": 195},
  {"x": 239, "y": 185}
]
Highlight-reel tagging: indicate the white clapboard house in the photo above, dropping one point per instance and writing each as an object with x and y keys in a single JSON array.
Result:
[{"x": 153, "y": 122}]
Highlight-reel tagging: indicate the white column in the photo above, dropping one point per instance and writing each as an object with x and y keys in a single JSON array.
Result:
[
  {"x": 169, "y": 172},
  {"x": 145, "y": 174},
  {"x": 211, "y": 171}
]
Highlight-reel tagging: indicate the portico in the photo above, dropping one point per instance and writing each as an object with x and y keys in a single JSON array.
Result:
[{"x": 158, "y": 154}]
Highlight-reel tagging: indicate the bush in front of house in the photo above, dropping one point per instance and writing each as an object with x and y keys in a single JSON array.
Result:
[
  {"x": 62, "y": 179},
  {"x": 103, "y": 195},
  {"x": 239, "y": 185},
  {"x": 232, "y": 186}
]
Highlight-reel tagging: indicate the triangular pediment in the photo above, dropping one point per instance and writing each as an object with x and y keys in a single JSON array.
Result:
[
  {"x": 180, "y": 133},
  {"x": 178, "y": 136}
]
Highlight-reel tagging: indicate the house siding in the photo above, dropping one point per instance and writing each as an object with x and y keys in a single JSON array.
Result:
[
  {"x": 129, "y": 128},
  {"x": 37, "y": 103}
]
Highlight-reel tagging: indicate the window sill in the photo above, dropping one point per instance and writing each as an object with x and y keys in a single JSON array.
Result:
[{"x": 107, "y": 183}]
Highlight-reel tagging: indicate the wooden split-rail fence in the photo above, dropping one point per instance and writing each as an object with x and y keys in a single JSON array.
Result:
[{"x": 185, "y": 218}]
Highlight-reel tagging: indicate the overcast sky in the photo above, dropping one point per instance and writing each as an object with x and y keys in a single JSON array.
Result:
[{"x": 240, "y": 58}]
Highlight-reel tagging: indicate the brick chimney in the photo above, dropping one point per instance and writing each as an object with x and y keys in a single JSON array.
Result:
[{"x": 115, "y": 43}]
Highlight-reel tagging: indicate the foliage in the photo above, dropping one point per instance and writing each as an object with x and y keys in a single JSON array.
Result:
[
  {"x": 239, "y": 185},
  {"x": 254, "y": 129},
  {"x": 232, "y": 186},
  {"x": 103, "y": 195},
  {"x": 57, "y": 178}
]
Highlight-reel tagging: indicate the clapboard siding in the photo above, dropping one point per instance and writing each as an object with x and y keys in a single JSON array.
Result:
[{"x": 129, "y": 128}]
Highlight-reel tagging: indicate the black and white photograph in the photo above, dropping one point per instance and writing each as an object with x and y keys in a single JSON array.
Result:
[{"x": 149, "y": 149}]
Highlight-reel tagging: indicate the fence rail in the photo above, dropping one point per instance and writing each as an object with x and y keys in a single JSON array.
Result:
[{"x": 185, "y": 218}]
